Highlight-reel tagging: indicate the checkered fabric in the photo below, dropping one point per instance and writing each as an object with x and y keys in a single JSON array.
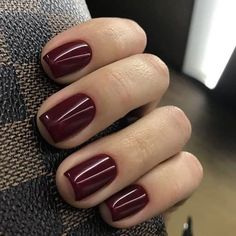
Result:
[{"x": 29, "y": 201}]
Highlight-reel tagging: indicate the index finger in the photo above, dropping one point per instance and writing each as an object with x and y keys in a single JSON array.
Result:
[{"x": 89, "y": 46}]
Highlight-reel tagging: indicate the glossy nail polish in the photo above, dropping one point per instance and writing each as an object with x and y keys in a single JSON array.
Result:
[
  {"x": 91, "y": 175},
  {"x": 127, "y": 202},
  {"x": 68, "y": 117},
  {"x": 68, "y": 58}
]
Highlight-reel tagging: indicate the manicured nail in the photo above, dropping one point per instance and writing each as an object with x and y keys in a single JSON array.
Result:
[
  {"x": 91, "y": 175},
  {"x": 68, "y": 117},
  {"x": 68, "y": 58},
  {"x": 127, "y": 202}
]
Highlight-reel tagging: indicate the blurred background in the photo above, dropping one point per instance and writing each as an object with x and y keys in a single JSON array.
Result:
[{"x": 197, "y": 39}]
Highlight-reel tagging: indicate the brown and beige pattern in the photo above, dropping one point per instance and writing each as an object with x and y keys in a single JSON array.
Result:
[{"x": 29, "y": 201}]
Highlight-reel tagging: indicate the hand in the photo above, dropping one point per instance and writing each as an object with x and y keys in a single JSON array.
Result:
[{"x": 133, "y": 174}]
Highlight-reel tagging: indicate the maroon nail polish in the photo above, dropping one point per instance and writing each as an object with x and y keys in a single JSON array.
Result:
[
  {"x": 68, "y": 58},
  {"x": 90, "y": 175},
  {"x": 69, "y": 117},
  {"x": 127, "y": 202}
]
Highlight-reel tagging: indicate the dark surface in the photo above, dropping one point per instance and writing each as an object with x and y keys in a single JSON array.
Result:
[
  {"x": 166, "y": 23},
  {"x": 226, "y": 88}
]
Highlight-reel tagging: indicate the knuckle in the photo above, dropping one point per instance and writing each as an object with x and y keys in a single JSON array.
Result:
[
  {"x": 120, "y": 87},
  {"x": 184, "y": 184},
  {"x": 137, "y": 29},
  {"x": 181, "y": 121},
  {"x": 120, "y": 31},
  {"x": 158, "y": 63},
  {"x": 159, "y": 66},
  {"x": 131, "y": 23},
  {"x": 139, "y": 143},
  {"x": 177, "y": 190},
  {"x": 111, "y": 32},
  {"x": 142, "y": 148},
  {"x": 195, "y": 166}
]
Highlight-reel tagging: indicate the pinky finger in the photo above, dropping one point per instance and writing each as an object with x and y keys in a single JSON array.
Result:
[{"x": 167, "y": 184}]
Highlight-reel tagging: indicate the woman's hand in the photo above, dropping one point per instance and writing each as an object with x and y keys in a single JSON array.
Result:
[{"x": 133, "y": 174}]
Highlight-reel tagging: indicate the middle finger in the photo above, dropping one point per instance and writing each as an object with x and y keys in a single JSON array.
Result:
[{"x": 86, "y": 107}]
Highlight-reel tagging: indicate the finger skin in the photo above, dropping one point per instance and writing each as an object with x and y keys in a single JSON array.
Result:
[
  {"x": 110, "y": 39},
  {"x": 135, "y": 150},
  {"x": 115, "y": 89},
  {"x": 167, "y": 184}
]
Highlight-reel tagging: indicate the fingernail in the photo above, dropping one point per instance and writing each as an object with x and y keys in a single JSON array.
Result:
[
  {"x": 91, "y": 175},
  {"x": 68, "y": 117},
  {"x": 68, "y": 58},
  {"x": 127, "y": 202}
]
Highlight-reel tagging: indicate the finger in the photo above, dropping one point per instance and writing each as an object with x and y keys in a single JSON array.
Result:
[
  {"x": 91, "y": 45},
  {"x": 155, "y": 192},
  {"x": 88, "y": 106},
  {"x": 86, "y": 178}
]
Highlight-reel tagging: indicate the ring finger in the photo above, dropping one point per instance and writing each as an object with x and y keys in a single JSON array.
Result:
[{"x": 121, "y": 158}]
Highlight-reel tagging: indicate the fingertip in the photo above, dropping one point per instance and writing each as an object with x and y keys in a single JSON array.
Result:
[{"x": 140, "y": 33}]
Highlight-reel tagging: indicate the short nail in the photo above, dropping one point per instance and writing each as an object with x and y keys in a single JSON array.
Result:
[
  {"x": 91, "y": 175},
  {"x": 68, "y": 58},
  {"x": 68, "y": 117},
  {"x": 127, "y": 202}
]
